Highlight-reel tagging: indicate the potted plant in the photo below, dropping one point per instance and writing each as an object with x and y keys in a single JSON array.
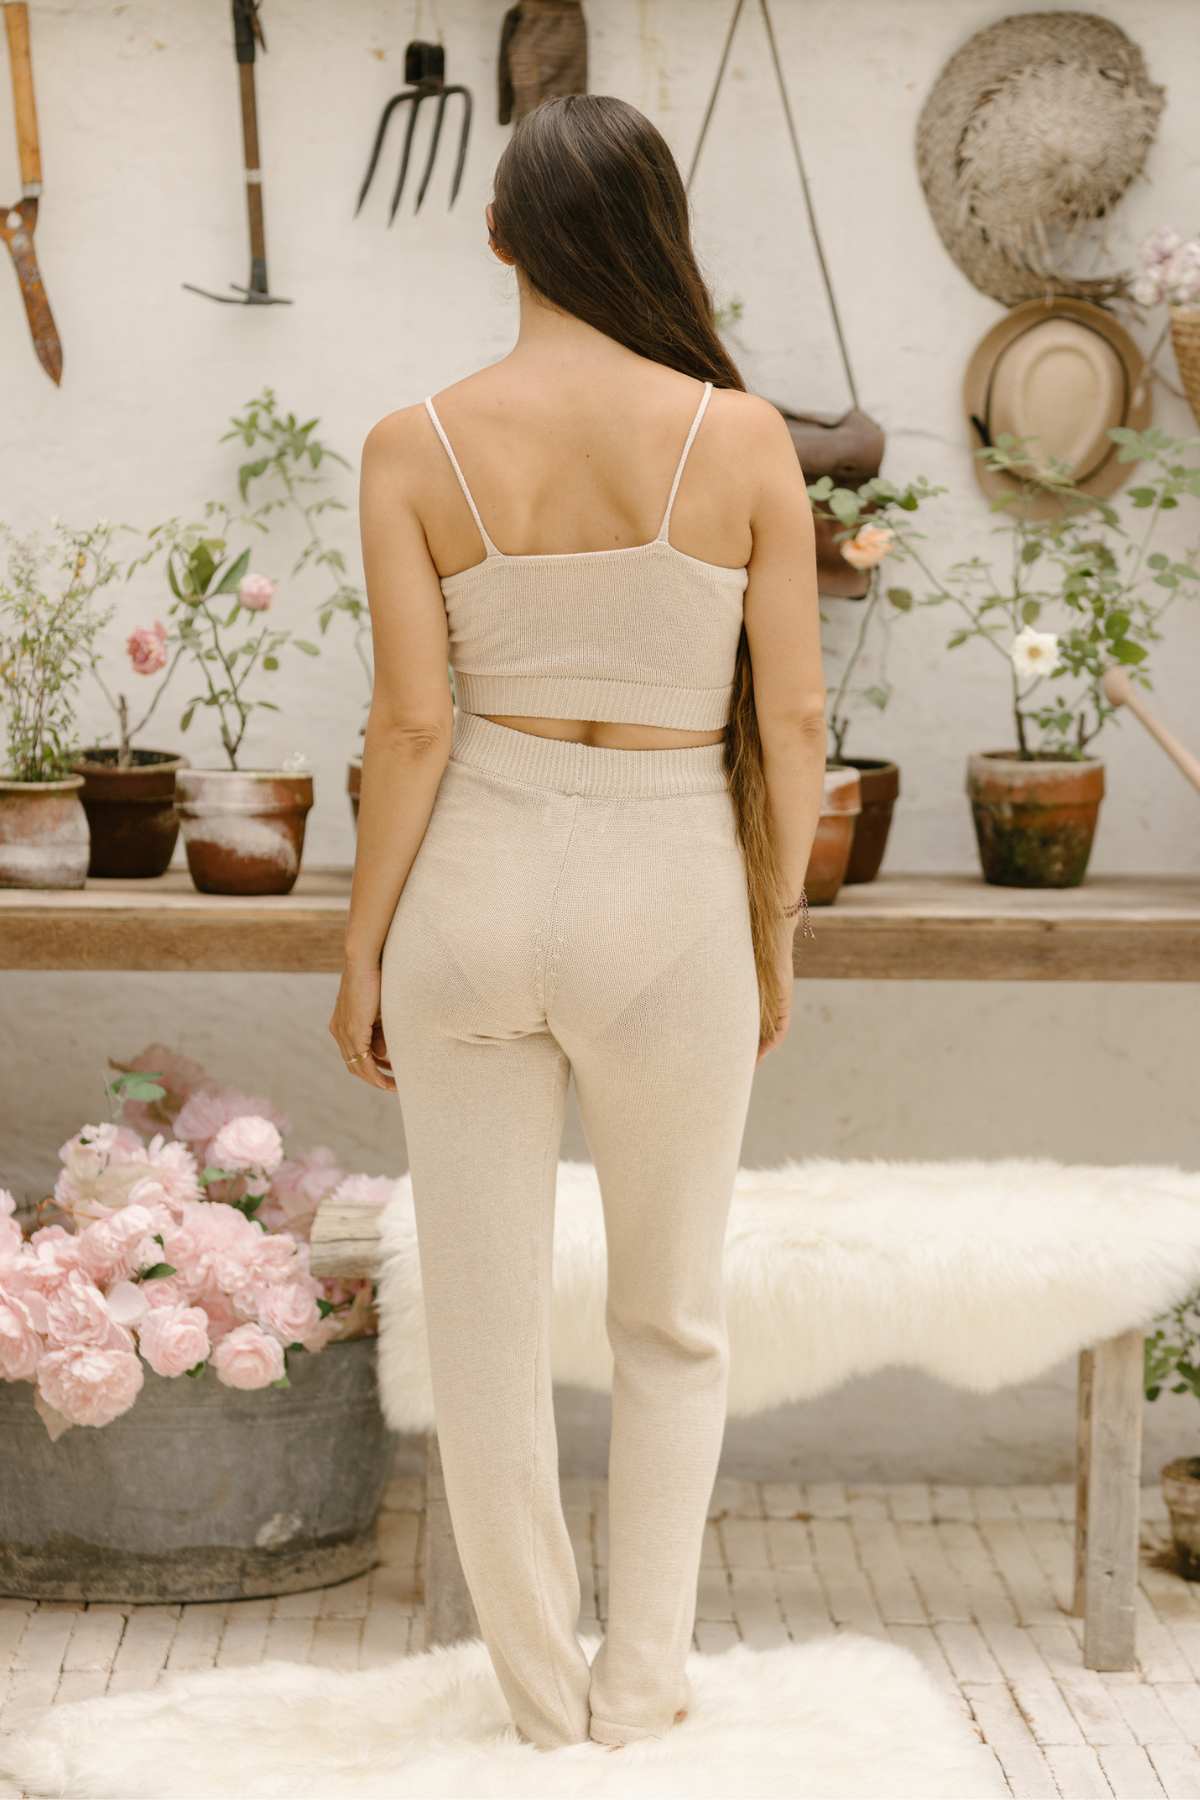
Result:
[
  {"x": 243, "y": 829},
  {"x": 188, "y": 1413},
  {"x": 872, "y": 524},
  {"x": 1173, "y": 1365},
  {"x": 49, "y": 622},
  {"x": 129, "y": 791},
  {"x": 1074, "y": 594},
  {"x": 1169, "y": 276},
  {"x": 290, "y": 465}
]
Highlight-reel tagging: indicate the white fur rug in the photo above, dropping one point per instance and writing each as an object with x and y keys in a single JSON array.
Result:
[
  {"x": 983, "y": 1273},
  {"x": 846, "y": 1718}
]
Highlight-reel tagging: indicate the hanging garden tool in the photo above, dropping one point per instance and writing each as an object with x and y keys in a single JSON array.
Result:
[
  {"x": 247, "y": 33},
  {"x": 425, "y": 70},
  {"x": 17, "y": 221}
]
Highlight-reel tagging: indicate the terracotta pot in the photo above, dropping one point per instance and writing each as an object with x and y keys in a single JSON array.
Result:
[
  {"x": 131, "y": 811},
  {"x": 43, "y": 834},
  {"x": 243, "y": 829},
  {"x": 830, "y": 857},
  {"x": 354, "y": 784},
  {"x": 880, "y": 781},
  {"x": 1181, "y": 1491},
  {"x": 1035, "y": 817}
]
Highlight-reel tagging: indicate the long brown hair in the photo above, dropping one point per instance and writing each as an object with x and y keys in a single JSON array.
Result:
[{"x": 590, "y": 204}]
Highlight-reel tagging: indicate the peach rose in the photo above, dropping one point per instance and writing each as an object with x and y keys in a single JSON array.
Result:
[
  {"x": 173, "y": 1339},
  {"x": 249, "y": 1357},
  {"x": 256, "y": 592},
  {"x": 147, "y": 647},
  {"x": 88, "y": 1385},
  {"x": 868, "y": 546}
]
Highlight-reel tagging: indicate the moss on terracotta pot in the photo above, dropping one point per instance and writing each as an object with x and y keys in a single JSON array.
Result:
[{"x": 1035, "y": 817}]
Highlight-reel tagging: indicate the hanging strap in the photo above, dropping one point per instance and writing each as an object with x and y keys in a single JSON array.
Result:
[
  {"x": 688, "y": 441},
  {"x": 488, "y": 545}
]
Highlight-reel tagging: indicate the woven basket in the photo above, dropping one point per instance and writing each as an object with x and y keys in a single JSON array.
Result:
[{"x": 1185, "y": 338}]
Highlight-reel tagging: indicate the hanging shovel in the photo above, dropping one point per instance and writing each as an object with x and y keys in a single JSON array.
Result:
[
  {"x": 247, "y": 32},
  {"x": 17, "y": 222}
]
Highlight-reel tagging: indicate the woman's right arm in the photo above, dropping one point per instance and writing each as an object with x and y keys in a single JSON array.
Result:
[{"x": 783, "y": 632}]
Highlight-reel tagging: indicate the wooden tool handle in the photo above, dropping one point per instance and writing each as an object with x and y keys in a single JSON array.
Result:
[
  {"x": 1121, "y": 692},
  {"x": 16, "y": 24}
]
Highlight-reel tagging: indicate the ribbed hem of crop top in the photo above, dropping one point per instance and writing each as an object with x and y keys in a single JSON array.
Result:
[{"x": 591, "y": 697}]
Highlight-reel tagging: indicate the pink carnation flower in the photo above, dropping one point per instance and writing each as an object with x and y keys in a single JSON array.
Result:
[
  {"x": 77, "y": 1314},
  {"x": 248, "y": 1143},
  {"x": 89, "y": 1385},
  {"x": 20, "y": 1343},
  {"x": 298, "y": 1186},
  {"x": 205, "y": 1112},
  {"x": 147, "y": 647},
  {"x": 173, "y": 1339},
  {"x": 249, "y": 1358},
  {"x": 114, "y": 1248},
  {"x": 367, "y": 1190},
  {"x": 289, "y": 1309}
]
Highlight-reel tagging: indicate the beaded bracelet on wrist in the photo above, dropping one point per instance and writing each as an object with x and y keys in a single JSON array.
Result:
[{"x": 800, "y": 906}]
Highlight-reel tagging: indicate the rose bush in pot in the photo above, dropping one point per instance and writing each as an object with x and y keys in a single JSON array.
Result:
[
  {"x": 128, "y": 789},
  {"x": 49, "y": 623},
  {"x": 243, "y": 828}
]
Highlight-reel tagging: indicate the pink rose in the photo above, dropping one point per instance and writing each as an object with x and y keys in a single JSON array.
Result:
[
  {"x": 289, "y": 1309},
  {"x": 114, "y": 1248},
  {"x": 89, "y": 1386},
  {"x": 204, "y": 1112},
  {"x": 249, "y": 1358},
  {"x": 20, "y": 1344},
  {"x": 77, "y": 1314},
  {"x": 256, "y": 592},
  {"x": 173, "y": 1339},
  {"x": 250, "y": 1142},
  {"x": 868, "y": 546},
  {"x": 147, "y": 647}
]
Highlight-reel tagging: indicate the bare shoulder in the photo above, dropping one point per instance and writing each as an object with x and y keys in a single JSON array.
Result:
[
  {"x": 398, "y": 439},
  {"x": 755, "y": 422}
]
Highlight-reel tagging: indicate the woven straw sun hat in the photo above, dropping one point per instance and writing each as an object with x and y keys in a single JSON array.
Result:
[
  {"x": 1063, "y": 372},
  {"x": 1033, "y": 130}
]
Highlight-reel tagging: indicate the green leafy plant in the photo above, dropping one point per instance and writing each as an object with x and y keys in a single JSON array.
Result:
[
  {"x": 872, "y": 524},
  {"x": 1074, "y": 593},
  {"x": 49, "y": 624},
  {"x": 290, "y": 468},
  {"x": 1173, "y": 1351}
]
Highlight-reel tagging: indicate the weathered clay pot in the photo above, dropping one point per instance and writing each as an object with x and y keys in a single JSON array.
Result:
[
  {"x": 43, "y": 834},
  {"x": 131, "y": 811},
  {"x": 880, "y": 782},
  {"x": 200, "y": 1491},
  {"x": 243, "y": 829},
  {"x": 1181, "y": 1491},
  {"x": 1035, "y": 818},
  {"x": 354, "y": 784},
  {"x": 830, "y": 856}
]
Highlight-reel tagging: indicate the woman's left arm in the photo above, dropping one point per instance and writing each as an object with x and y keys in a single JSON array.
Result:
[{"x": 409, "y": 727}]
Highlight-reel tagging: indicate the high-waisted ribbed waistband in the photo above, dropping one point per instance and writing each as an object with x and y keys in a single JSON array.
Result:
[{"x": 563, "y": 767}]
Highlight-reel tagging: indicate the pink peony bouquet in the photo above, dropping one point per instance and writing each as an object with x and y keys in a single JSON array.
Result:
[{"x": 181, "y": 1243}]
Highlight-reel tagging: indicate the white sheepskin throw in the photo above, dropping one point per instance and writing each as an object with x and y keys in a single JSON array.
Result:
[
  {"x": 848, "y": 1718},
  {"x": 982, "y": 1273}
]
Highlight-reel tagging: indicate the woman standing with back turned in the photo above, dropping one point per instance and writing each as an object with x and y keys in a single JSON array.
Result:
[{"x": 592, "y": 864}]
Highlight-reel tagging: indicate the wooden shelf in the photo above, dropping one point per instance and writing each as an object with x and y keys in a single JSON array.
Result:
[{"x": 899, "y": 928}]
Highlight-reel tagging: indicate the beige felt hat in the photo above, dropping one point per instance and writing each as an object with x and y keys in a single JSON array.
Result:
[
  {"x": 1030, "y": 134},
  {"x": 1063, "y": 372}
]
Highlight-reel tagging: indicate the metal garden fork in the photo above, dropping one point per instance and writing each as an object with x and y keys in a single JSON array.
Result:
[{"x": 425, "y": 70}]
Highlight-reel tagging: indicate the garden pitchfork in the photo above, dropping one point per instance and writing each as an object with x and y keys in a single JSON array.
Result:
[{"x": 425, "y": 69}]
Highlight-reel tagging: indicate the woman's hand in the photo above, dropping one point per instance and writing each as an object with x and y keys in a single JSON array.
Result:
[
  {"x": 785, "y": 976},
  {"x": 357, "y": 1029}
]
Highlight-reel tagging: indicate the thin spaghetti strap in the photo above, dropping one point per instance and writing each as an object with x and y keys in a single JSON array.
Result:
[
  {"x": 687, "y": 444},
  {"x": 488, "y": 545}
]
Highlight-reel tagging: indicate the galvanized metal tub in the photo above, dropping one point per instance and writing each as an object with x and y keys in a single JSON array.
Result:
[{"x": 199, "y": 1491}]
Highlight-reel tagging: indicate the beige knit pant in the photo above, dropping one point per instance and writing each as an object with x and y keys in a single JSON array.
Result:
[{"x": 575, "y": 909}]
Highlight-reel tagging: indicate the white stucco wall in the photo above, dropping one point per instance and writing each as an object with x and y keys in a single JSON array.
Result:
[{"x": 142, "y": 156}]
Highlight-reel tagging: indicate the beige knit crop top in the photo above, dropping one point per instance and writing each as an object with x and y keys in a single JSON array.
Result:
[{"x": 641, "y": 636}]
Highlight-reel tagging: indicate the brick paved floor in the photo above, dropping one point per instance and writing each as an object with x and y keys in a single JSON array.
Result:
[{"x": 975, "y": 1581}]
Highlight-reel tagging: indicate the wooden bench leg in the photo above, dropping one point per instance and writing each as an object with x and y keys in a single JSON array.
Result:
[
  {"x": 1108, "y": 1476},
  {"x": 449, "y": 1610}
]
